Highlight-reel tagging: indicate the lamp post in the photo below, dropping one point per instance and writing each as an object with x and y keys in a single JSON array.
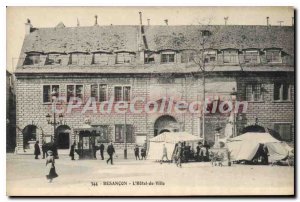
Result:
[
  {"x": 125, "y": 136},
  {"x": 54, "y": 122},
  {"x": 233, "y": 98}
]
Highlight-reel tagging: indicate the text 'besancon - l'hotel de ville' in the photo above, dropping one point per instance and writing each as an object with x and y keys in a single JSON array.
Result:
[{"x": 242, "y": 63}]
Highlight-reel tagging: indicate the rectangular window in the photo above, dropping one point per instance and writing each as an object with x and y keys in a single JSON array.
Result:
[
  {"x": 187, "y": 56},
  {"x": 74, "y": 91},
  {"x": 101, "y": 89},
  {"x": 77, "y": 58},
  {"x": 167, "y": 57},
  {"x": 122, "y": 93},
  {"x": 126, "y": 93},
  {"x": 50, "y": 92},
  {"x": 282, "y": 92},
  {"x": 284, "y": 130},
  {"x": 102, "y": 92},
  {"x": 120, "y": 133},
  {"x": 94, "y": 91},
  {"x": 118, "y": 93},
  {"x": 53, "y": 59},
  {"x": 251, "y": 57},
  {"x": 149, "y": 57},
  {"x": 101, "y": 134},
  {"x": 101, "y": 58},
  {"x": 230, "y": 56},
  {"x": 254, "y": 92},
  {"x": 210, "y": 56},
  {"x": 32, "y": 59},
  {"x": 124, "y": 58},
  {"x": 273, "y": 56},
  {"x": 74, "y": 59}
]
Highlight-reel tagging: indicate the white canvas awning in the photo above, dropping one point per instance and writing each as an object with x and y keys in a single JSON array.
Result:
[{"x": 245, "y": 146}]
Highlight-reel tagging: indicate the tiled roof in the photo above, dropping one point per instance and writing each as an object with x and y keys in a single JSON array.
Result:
[
  {"x": 223, "y": 37},
  {"x": 81, "y": 39},
  {"x": 125, "y": 37}
]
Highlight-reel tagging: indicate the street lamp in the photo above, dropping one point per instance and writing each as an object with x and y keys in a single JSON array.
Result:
[
  {"x": 233, "y": 98},
  {"x": 54, "y": 122}
]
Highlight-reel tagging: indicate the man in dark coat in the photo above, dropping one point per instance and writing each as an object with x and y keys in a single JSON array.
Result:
[
  {"x": 101, "y": 151},
  {"x": 110, "y": 152},
  {"x": 198, "y": 148},
  {"x": 143, "y": 153},
  {"x": 179, "y": 153},
  {"x": 137, "y": 152},
  {"x": 72, "y": 151},
  {"x": 37, "y": 150}
]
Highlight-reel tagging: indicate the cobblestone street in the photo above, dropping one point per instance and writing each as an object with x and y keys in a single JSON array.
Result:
[{"x": 25, "y": 176}]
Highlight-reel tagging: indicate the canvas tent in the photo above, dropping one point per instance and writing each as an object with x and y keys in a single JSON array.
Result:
[
  {"x": 245, "y": 146},
  {"x": 169, "y": 139}
]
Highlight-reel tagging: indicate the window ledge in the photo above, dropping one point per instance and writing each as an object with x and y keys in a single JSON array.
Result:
[
  {"x": 282, "y": 101},
  {"x": 262, "y": 101}
]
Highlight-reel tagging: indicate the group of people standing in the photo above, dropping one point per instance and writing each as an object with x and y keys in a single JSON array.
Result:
[
  {"x": 137, "y": 152},
  {"x": 184, "y": 153}
]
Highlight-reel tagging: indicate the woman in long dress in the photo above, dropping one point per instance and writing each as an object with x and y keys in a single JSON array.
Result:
[{"x": 50, "y": 166}]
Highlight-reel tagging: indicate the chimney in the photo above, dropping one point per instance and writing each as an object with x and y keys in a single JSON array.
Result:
[
  {"x": 148, "y": 21},
  {"x": 28, "y": 27},
  {"x": 96, "y": 20},
  {"x": 141, "y": 22},
  {"x": 267, "y": 21},
  {"x": 226, "y": 19},
  {"x": 166, "y": 21},
  {"x": 280, "y": 22},
  {"x": 78, "y": 24}
]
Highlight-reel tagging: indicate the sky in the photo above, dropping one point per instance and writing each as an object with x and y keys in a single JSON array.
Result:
[{"x": 51, "y": 16}]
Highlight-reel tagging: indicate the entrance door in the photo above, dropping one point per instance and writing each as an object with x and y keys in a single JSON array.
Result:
[{"x": 63, "y": 140}]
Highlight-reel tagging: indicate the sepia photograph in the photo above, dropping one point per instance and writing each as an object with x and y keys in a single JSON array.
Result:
[{"x": 150, "y": 101}]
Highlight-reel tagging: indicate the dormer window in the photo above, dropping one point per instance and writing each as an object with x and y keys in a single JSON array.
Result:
[
  {"x": 230, "y": 56},
  {"x": 32, "y": 59},
  {"x": 125, "y": 57},
  {"x": 210, "y": 56},
  {"x": 251, "y": 56},
  {"x": 149, "y": 57},
  {"x": 205, "y": 33},
  {"x": 168, "y": 57},
  {"x": 75, "y": 58},
  {"x": 187, "y": 56},
  {"x": 53, "y": 59},
  {"x": 101, "y": 58},
  {"x": 273, "y": 56}
]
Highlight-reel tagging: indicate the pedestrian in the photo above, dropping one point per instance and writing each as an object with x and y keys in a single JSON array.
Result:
[
  {"x": 37, "y": 150},
  {"x": 110, "y": 152},
  {"x": 50, "y": 166},
  {"x": 101, "y": 151},
  {"x": 72, "y": 151},
  {"x": 165, "y": 154},
  {"x": 143, "y": 153},
  {"x": 198, "y": 149},
  {"x": 179, "y": 155},
  {"x": 137, "y": 152}
]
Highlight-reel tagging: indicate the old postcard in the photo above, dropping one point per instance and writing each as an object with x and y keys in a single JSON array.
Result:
[{"x": 150, "y": 101}]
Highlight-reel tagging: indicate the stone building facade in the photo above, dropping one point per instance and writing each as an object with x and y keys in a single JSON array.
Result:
[{"x": 255, "y": 63}]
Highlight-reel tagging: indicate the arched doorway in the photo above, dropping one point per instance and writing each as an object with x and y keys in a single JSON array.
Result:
[
  {"x": 63, "y": 137},
  {"x": 165, "y": 123},
  {"x": 29, "y": 136}
]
